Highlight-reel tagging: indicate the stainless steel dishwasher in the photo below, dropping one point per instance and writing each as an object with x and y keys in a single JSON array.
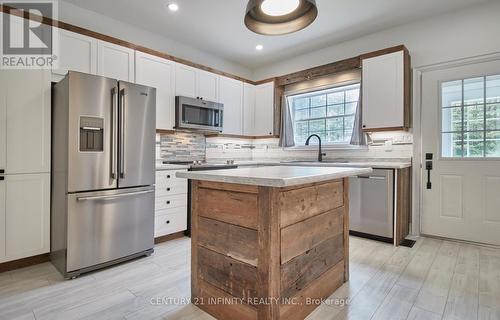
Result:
[{"x": 371, "y": 205}]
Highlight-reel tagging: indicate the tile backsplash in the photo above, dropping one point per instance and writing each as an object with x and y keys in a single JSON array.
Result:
[{"x": 180, "y": 146}]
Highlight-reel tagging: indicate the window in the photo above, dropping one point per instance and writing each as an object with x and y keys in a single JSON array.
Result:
[
  {"x": 328, "y": 113},
  {"x": 471, "y": 118}
]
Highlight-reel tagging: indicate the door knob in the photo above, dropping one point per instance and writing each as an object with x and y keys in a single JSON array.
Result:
[{"x": 428, "y": 167}]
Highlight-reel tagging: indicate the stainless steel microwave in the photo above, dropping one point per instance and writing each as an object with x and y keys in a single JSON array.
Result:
[{"x": 198, "y": 114}]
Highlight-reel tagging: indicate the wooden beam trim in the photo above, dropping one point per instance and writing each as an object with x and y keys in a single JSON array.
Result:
[
  {"x": 24, "y": 262},
  {"x": 169, "y": 237}
]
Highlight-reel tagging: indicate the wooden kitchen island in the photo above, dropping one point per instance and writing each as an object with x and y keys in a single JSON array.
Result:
[{"x": 268, "y": 242}]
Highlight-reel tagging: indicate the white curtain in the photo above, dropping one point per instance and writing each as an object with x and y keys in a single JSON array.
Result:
[
  {"x": 358, "y": 137},
  {"x": 286, "y": 130}
]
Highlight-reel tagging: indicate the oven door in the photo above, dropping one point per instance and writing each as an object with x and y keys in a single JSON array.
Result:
[{"x": 197, "y": 114}]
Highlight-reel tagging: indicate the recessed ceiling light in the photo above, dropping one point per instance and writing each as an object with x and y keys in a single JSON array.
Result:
[
  {"x": 259, "y": 47},
  {"x": 173, "y": 7},
  {"x": 277, "y": 17},
  {"x": 279, "y": 7}
]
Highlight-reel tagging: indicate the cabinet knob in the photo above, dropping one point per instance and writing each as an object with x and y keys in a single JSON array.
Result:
[
  {"x": 168, "y": 176},
  {"x": 2, "y": 171},
  {"x": 364, "y": 126},
  {"x": 167, "y": 222},
  {"x": 168, "y": 189},
  {"x": 167, "y": 202},
  {"x": 2, "y": 178}
]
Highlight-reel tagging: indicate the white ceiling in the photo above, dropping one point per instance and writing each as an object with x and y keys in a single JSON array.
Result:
[{"x": 216, "y": 26}]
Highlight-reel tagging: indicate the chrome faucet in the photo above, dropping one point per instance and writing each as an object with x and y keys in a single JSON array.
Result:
[{"x": 320, "y": 154}]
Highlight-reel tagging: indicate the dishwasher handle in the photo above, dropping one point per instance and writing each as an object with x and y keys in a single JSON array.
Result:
[{"x": 371, "y": 177}]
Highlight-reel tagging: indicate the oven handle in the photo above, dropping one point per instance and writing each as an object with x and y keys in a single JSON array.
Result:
[{"x": 120, "y": 195}]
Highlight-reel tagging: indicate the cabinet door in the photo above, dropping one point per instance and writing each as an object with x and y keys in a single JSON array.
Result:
[
  {"x": 77, "y": 53},
  {"x": 114, "y": 61},
  {"x": 27, "y": 211},
  {"x": 264, "y": 109},
  {"x": 207, "y": 85},
  {"x": 158, "y": 73},
  {"x": 2, "y": 220},
  {"x": 25, "y": 121},
  {"x": 383, "y": 91},
  {"x": 185, "y": 81},
  {"x": 248, "y": 109},
  {"x": 231, "y": 95}
]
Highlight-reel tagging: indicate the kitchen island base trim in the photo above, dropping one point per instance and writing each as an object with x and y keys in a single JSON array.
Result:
[{"x": 256, "y": 266}]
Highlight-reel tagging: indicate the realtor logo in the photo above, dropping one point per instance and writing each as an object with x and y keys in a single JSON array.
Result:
[{"x": 27, "y": 42}]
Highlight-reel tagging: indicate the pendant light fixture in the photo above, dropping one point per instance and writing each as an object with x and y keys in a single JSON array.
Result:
[{"x": 277, "y": 17}]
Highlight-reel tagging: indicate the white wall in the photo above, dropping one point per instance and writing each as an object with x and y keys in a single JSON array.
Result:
[
  {"x": 452, "y": 36},
  {"x": 97, "y": 22}
]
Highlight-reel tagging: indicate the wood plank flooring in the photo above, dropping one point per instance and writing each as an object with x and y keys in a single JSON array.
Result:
[{"x": 436, "y": 279}]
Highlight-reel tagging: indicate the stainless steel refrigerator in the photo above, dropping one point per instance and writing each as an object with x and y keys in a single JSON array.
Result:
[{"x": 103, "y": 172}]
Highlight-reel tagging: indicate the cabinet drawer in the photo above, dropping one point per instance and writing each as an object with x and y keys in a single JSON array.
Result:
[
  {"x": 174, "y": 220},
  {"x": 174, "y": 189},
  {"x": 167, "y": 178},
  {"x": 167, "y": 202}
]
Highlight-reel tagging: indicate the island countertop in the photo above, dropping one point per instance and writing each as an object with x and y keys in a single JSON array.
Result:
[{"x": 275, "y": 176}]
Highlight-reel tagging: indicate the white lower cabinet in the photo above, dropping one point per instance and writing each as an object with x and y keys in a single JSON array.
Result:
[
  {"x": 170, "y": 203},
  {"x": 24, "y": 216}
]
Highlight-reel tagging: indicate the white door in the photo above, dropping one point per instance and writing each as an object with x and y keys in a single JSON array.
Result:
[
  {"x": 185, "y": 81},
  {"x": 461, "y": 129},
  {"x": 77, "y": 53},
  {"x": 27, "y": 211},
  {"x": 114, "y": 61},
  {"x": 231, "y": 95},
  {"x": 208, "y": 86},
  {"x": 25, "y": 121},
  {"x": 264, "y": 109},
  {"x": 248, "y": 109},
  {"x": 160, "y": 74}
]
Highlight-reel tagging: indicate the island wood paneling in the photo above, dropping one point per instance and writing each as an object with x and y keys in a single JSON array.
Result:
[
  {"x": 319, "y": 289},
  {"x": 229, "y": 206},
  {"x": 299, "y": 272},
  {"x": 207, "y": 297},
  {"x": 230, "y": 275},
  {"x": 228, "y": 239},
  {"x": 230, "y": 261},
  {"x": 300, "y": 204},
  {"x": 305, "y": 235},
  {"x": 403, "y": 209}
]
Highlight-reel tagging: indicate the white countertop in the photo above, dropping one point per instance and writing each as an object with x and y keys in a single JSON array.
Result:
[
  {"x": 162, "y": 166},
  {"x": 274, "y": 176},
  {"x": 357, "y": 163}
]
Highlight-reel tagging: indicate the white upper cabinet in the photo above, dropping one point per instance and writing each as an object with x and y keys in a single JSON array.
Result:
[
  {"x": 158, "y": 73},
  {"x": 264, "y": 109},
  {"x": 383, "y": 98},
  {"x": 25, "y": 121},
  {"x": 248, "y": 109},
  {"x": 76, "y": 52},
  {"x": 208, "y": 84},
  {"x": 231, "y": 95},
  {"x": 114, "y": 61},
  {"x": 186, "y": 83}
]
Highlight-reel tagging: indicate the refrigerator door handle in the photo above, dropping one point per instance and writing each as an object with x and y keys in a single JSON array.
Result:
[
  {"x": 114, "y": 134},
  {"x": 122, "y": 133},
  {"x": 114, "y": 196}
]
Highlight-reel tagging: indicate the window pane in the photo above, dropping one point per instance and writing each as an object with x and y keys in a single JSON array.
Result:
[
  {"x": 336, "y": 97},
  {"x": 493, "y": 117},
  {"x": 451, "y": 94},
  {"x": 473, "y": 144},
  {"x": 318, "y": 112},
  {"x": 349, "y": 122},
  {"x": 474, "y": 118},
  {"x": 451, "y": 145},
  {"x": 302, "y": 114},
  {"x": 336, "y": 110},
  {"x": 350, "y": 108},
  {"x": 493, "y": 89},
  {"x": 318, "y": 101},
  {"x": 300, "y": 103},
  {"x": 335, "y": 136},
  {"x": 335, "y": 124},
  {"x": 347, "y": 135},
  {"x": 316, "y": 126},
  {"x": 493, "y": 144},
  {"x": 473, "y": 91},
  {"x": 452, "y": 119},
  {"x": 352, "y": 95}
]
